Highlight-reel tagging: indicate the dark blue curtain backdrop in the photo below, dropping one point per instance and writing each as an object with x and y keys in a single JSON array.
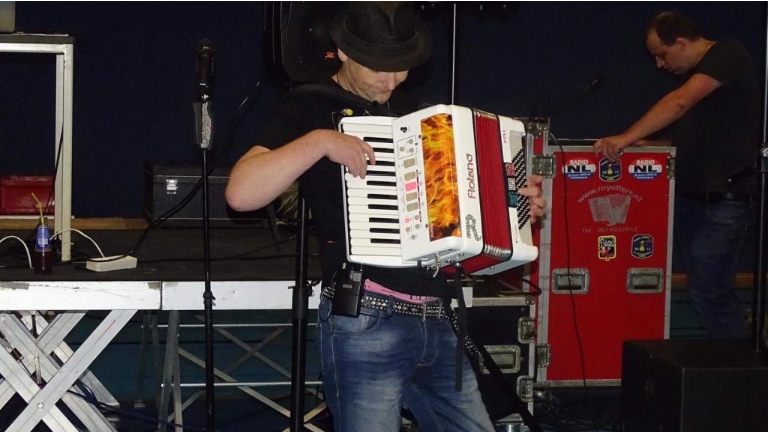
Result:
[{"x": 135, "y": 78}]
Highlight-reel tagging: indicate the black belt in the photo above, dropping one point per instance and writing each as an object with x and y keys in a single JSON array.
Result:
[
  {"x": 422, "y": 310},
  {"x": 713, "y": 197}
]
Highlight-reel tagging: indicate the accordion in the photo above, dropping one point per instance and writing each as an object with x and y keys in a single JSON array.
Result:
[{"x": 442, "y": 193}]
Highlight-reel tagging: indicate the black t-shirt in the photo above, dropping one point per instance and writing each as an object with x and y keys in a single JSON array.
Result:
[
  {"x": 301, "y": 112},
  {"x": 719, "y": 136}
]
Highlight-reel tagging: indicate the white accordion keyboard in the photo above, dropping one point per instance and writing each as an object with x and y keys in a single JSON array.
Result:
[{"x": 443, "y": 191}]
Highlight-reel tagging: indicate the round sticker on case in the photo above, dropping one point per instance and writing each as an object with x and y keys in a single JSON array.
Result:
[
  {"x": 642, "y": 246},
  {"x": 610, "y": 171},
  {"x": 579, "y": 169},
  {"x": 645, "y": 169}
]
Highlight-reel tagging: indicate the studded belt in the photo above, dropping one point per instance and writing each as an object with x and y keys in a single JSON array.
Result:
[{"x": 422, "y": 310}]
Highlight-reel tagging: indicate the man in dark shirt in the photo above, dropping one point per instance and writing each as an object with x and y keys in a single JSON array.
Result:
[
  {"x": 714, "y": 119},
  {"x": 383, "y": 359}
]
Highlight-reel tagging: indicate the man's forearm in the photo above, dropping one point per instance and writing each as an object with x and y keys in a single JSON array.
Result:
[
  {"x": 661, "y": 115},
  {"x": 262, "y": 175}
]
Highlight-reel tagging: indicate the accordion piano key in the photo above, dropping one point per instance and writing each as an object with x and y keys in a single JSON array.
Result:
[
  {"x": 366, "y": 234},
  {"x": 393, "y": 228},
  {"x": 374, "y": 217},
  {"x": 375, "y": 126},
  {"x": 372, "y": 199},
  {"x": 371, "y": 182},
  {"x": 376, "y": 243},
  {"x": 381, "y": 170},
  {"x": 372, "y": 194},
  {"x": 367, "y": 210}
]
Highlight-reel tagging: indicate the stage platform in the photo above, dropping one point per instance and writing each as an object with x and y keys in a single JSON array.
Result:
[
  {"x": 252, "y": 268},
  {"x": 167, "y": 254}
]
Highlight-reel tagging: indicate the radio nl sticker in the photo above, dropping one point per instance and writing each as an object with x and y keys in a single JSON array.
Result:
[
  {"x": 579, "y": 169},
  {"x": 645, "y": 169}
]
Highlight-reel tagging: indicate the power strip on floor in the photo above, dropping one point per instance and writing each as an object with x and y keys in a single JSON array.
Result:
[{"x": 116, "y": 262}]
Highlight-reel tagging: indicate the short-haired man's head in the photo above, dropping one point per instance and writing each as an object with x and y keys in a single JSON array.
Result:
[{"x": 670, "y": 25}]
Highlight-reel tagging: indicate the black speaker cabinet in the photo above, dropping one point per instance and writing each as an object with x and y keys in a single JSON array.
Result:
[
  {"x": 166, "y": 187},
  {"x": 298, "y": 39},
  {"x": 694, "y": 386}
]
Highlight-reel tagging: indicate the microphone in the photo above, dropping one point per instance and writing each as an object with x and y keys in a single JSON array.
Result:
[
  {"x": 203, "y": 124},
  {"x": 205, "y": 52}
]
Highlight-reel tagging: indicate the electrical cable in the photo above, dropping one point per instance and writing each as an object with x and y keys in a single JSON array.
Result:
[
  {"x": 543, "y": 417},
  {"x": 56, "y": 234},
  {"x": 155, "y": 420},
  {"x": 537, "y": 288},
  {"x": 568, "y": 265},
  {"x": 23, "y": 243}
]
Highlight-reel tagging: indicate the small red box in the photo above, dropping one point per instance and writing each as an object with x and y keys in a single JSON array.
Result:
[{"x": 16, "y": 194}]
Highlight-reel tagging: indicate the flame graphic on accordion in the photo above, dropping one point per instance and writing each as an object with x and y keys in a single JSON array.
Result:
[{"x": 441, "y": 180}]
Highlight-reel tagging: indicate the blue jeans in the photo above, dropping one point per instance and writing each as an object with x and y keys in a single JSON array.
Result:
[
  {"x": 710, "y": 238},
  {"x": 376, "y": 363}
]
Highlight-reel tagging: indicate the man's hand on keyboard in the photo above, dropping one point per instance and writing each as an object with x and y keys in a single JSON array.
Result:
[{"x": 350, "y": 151}]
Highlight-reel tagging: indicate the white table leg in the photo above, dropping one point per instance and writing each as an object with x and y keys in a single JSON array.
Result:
[
  {"x": 19, "y": 336},
  {"x": 70, "y": 371}
]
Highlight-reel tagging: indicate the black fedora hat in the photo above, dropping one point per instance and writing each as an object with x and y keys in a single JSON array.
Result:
[{"x": 383, "y": 36}]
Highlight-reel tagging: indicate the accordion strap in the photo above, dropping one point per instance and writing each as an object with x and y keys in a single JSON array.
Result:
[{"x": 480, "y": 357}]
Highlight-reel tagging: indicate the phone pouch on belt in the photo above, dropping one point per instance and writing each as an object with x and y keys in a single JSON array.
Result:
[{"x": 348, "y": 290}]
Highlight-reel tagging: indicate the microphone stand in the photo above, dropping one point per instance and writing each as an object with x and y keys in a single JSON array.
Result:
[
  {"x": 299, "y": 321},
  {"x": 759, "y": 294},
  {"x": 204, "y": 126}
]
